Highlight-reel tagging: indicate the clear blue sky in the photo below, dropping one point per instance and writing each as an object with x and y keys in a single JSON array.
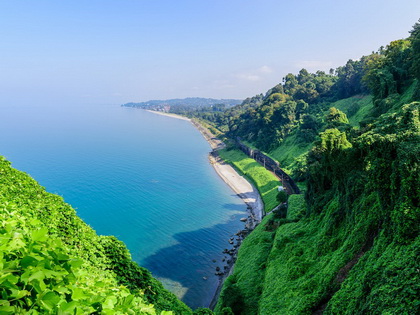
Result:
[{"x": 112, "y": 52}]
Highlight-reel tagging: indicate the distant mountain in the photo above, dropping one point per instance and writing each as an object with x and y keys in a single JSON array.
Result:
[{"x": 196, "y": 102}]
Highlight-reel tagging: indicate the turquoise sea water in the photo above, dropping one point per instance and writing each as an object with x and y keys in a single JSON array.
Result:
[{"x": 142, "y": 177}]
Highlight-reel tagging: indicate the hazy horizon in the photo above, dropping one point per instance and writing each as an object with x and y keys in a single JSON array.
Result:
[{"x": 133, "y": 51}]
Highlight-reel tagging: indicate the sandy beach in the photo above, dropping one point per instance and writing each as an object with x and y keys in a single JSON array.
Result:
[{"x": 244, "y": 189}]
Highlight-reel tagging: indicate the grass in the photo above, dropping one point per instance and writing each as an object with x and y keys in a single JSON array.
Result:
[
  {"x": 293, "y": 269},
  {"x": 264, "y": 180},
  {"x": 289, "y": 151},
  {"x": 297, "y": 207},
  {"x": 356, "y": 108}
]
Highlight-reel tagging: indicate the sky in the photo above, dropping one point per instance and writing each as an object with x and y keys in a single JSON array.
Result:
[{"x": 113, "y": 52}]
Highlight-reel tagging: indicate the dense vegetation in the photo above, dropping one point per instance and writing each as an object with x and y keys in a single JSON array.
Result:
[
  {"x": 350, "y": 244},
  {"x": 52, "y": 262}
]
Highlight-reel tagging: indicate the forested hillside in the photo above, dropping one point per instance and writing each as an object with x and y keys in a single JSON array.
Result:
[{"x": 350, "y": 244}]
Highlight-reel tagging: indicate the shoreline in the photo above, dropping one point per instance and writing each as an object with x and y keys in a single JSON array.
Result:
[
  {"x": 167, "y": 114},
  {"x": 241, "y": 186},
  {"x": 248, "y": 193}
]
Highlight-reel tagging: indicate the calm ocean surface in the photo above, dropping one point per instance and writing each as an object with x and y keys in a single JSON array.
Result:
[{"x": 142, "y": 177}]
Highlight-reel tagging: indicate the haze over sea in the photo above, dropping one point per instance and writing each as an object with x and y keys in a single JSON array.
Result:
[{"x": 142, "y": 177}]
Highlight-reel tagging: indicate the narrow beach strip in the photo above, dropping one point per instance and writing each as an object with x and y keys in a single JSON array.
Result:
[
  {"x": 168, "y": 114},
  {"x": 242, "y": 187}
]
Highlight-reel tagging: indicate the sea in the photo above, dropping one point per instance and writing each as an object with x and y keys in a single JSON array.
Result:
[{"x": 142, "y": 177}]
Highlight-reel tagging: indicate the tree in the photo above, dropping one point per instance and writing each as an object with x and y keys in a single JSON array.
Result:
[
  {"x": 336, "y": 117},
  {"x": 334, "y": 139},
  {"x": 415, "y": 44}
]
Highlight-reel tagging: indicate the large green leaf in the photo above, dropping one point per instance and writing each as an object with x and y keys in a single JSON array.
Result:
[
  {"x": 50, "y": 300},
  {"x": 28, "y": 261},
  {"x": 40, "y": 235}
]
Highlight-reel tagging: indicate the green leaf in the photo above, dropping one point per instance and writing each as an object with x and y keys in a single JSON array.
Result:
[
  {"x": 16, "y": 243},
  {"x": 61, "y": 256},
  {"x": 109, "y": 302},
  {"x": 68, "y": 307},
  {"x": 7, "y": 284},
  {"x": 76, "y": 263},
  {"x": 6, "y": 310},
  {"x": 18, "y": 294},
  {"x": 63, "y": 290},
  {"x": 39, "y": 275},
  {"x": 35, "y": 222},
  {"x": 50, "y": 300},
  {"x": 27, "y": 261},
  {"x": 40, "y": 235},
  {"x": 78, "y": 294},
  {"x": 39, "y": 286},
  {"x": 128, "y": 300}
]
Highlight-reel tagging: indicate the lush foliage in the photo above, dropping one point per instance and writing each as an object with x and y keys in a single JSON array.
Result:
[
  {"x": 357, "y": 248},
  {"x": 241, "y": 291},
  {"x": 52, "y": 262},
  {"x": 351, "y": 245},
  {"x": 38, "y": 276}
]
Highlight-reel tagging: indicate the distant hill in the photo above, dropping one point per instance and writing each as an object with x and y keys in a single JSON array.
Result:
[{"x": 194, "y": 102}]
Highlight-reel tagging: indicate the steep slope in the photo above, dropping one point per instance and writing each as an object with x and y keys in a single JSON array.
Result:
[
  {"x": 52, "y": 262},
  {"x": 357, "y": 250},
  {"x": 352, "y": 244}
]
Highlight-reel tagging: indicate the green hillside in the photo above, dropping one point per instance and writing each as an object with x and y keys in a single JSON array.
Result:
[
  {"x": 350, "y": 244},
  {"x": 53, "y": 263}
]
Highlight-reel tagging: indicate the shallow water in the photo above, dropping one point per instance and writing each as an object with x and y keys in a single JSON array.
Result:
[{"x": 142, "y": 177}]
